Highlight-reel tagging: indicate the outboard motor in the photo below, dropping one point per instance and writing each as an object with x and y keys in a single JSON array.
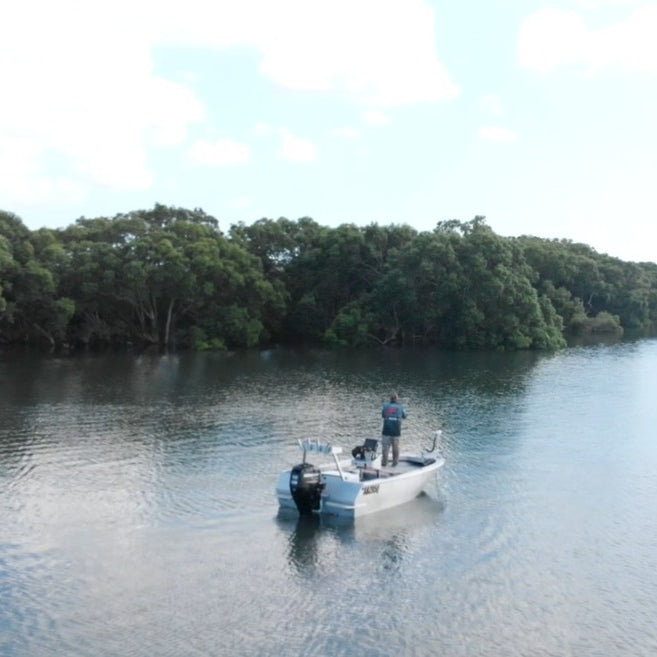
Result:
[{"x": 306, "y": 487}]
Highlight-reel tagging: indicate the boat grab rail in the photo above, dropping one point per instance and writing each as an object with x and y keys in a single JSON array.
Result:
[
  {"x": 319, "y": 448},
  {"x": 323, "y": 448}
]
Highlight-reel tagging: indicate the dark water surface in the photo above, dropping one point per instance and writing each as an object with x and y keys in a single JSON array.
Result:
[{"x": 138, "y": 516}]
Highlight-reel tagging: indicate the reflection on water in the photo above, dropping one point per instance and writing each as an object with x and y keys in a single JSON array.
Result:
[
  {"x": 139, "y": 515},
  {"x": 304, "y": 539},
  {"x": 394, "y": 531}
]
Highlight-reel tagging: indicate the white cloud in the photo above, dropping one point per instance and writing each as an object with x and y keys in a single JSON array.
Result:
[
  {"x": 596, "y": 4},
  {"x": 553, "y": 38},
  {"x": 297, "y": 149},
  {"x": 497, "y": 133},
  {"x": 82, "y": 92},
  {"x": 375, "y": 117},
  {"x": 78, "y": 80},
  {"x": 21, "y": 181},
  {"x": 168, "y": 110},
  {"x": 383, "y": 53},
  {"x": 219, "y": 153}
]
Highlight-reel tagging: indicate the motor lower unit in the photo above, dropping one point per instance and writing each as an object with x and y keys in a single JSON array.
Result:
[{"x": 306, "y": 487}]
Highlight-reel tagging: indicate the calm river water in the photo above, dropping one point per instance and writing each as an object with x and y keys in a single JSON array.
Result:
[{"x": 138, "y": 516}]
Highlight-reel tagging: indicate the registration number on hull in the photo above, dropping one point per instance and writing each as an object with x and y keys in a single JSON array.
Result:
[{"x": 369, "y": 490}]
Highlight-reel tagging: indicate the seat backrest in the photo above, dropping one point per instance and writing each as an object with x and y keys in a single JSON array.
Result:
[{"x": 371, "y": 444}]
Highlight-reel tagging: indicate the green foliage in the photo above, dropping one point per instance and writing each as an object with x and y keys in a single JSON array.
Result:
[
  {"x": 199, "y": 341},
  {"x": 582, "y": 284},
  {"x": 603, "y": 323},
  {"x": 350, "y": 328},
  {"x": 169, "y": 276}
]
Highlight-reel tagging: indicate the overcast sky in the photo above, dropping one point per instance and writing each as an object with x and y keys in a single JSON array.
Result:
[{"x": 540, "y": 116}]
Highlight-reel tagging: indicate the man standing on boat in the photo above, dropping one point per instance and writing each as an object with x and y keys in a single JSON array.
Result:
[{"x": 393, "y": 412}]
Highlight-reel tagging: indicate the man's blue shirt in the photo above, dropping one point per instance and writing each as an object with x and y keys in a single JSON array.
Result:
[{"x": 392, "y": 414}]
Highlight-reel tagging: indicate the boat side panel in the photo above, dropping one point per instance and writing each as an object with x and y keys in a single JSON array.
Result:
[
  {"x": 283, "y": 490},
  {"x": 357, "y": 499}
]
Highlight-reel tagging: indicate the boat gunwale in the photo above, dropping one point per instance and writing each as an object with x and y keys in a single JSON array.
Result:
[{"x": 389, "y": 472}]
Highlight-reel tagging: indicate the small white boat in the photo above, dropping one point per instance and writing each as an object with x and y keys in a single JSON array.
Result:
[{"x": 354, "y": 487}]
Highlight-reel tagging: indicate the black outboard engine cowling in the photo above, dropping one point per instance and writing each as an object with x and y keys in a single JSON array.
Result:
[{"x": 306, "y": 487}]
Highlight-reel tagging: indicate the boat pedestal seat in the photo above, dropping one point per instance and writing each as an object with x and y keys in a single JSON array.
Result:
[{"x": 366, "y": 455}]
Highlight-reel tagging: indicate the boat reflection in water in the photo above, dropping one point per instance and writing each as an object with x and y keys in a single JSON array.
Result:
[{"x": 314, "y": 540}]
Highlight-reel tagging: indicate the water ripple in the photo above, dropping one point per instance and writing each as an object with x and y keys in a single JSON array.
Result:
[{"x": 139, "y": 517}]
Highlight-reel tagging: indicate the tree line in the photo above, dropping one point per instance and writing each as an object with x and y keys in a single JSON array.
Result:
[{"x": 169, "y": 276}]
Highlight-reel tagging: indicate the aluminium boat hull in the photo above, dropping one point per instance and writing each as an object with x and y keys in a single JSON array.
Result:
[{"x": 351, "y": 491}]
